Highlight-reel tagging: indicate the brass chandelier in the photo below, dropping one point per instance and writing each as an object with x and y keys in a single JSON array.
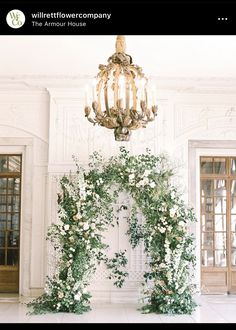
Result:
[{"x": 121, "y": 98}]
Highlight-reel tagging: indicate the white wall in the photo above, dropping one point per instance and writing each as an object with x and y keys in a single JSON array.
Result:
[
  {"x": 24, "y": 116},
  {"x": 44, "y": 118}
]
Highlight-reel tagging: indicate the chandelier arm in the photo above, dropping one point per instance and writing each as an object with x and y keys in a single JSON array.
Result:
[
  {"x": 106, "y": 99},
  {"x": 99, "y": 87},
  {"x": 127, "y": 95},
  {"x": 134, "y": 95},
  {"x": 116, "y": 78}
]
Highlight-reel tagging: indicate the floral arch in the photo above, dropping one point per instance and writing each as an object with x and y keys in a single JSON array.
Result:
[{"x": 85, "y": 211}]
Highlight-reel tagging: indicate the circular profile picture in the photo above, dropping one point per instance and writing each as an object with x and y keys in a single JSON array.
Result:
[{"x": 15, "y": 18}]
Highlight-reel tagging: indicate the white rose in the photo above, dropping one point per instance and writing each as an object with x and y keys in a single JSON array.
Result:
[
  {"x": 131, "y": 177},
  {"x": 152, "y": 184},
  {"x": 86, "y": 226},
  {"x": 162, "y": 229},
  {"x": 60, "y": 295},
  {"x": 78, "y": 296},
  {"x": 67, "y": 227},
  {"x": 172, "y": 212},
  {"x": 182, "y": 223}
]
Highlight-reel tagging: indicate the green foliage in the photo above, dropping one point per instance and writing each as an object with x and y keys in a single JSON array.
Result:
[
  {"x": 116, "y": 266},
  {"x": 85, "y": 209}
]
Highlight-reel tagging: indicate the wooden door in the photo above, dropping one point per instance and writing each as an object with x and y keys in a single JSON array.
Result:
[
  {"x": 10, "y": 198},
  {"x": 218, "y": 225}
]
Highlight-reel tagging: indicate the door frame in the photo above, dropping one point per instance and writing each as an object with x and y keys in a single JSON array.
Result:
[
  {"x": 23, "y": 146},
  {"x": 196, "y": 149}
]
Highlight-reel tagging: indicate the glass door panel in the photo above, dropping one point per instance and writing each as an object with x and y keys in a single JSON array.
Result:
[
  {"x": 10, "y": 193},
  {"x": 218, "y": 223}
]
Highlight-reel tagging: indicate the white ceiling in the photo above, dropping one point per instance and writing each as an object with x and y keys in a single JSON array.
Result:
[{"x": 159, "y": 56}]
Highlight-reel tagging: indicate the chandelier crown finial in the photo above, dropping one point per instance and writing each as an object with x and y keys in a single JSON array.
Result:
[{"x": 120, "y": 44}]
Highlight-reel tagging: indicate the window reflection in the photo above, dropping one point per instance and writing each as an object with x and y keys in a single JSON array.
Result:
[
  {"x": 207, "y": 258},
  {"x": 207, "y": 240},
  {"x": 206, "y": 165},
  {"x": 233, "y": 165},
  {"x": 220, "y": 258},
  {"x": 220, "y": 240},
  {"x": 219, "y": 165}
]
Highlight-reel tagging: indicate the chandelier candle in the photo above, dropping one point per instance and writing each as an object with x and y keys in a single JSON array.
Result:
[{"x": 120, "y": 95}]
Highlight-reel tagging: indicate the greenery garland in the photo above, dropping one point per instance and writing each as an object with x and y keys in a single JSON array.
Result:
[{"x": 85, "y": 208}]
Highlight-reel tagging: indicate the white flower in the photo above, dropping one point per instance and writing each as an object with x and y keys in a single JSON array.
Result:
[
  {"x": 71, "y": 239},
  {"x": 63, "y": 233},
  {"x": 173, "y": 211},
  {"x": 172, "y": 195},
  {"x": 131, "y": 177},
  {"x": 147, "y": 172},
  {"x": 92, "y": 235},
  {"x": 162, "y": 229},
  {"x": 140, "y": 183},
  {"x": 72, "y": 249},
  {"x": 66, "y": 227},
  {"x": 182, "y": 223},
  {"x": 85, "y": 290},
  {"x": 60, "y": 295},
  {"x": 93, "y": 226},
  {"x": 162, "y": 265},
  {"x": 145, "y": 181},
  {"x": 78, "y": 296},
  {"x": 86, "y": 226},
  {"x": 152, "y": 184}
]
